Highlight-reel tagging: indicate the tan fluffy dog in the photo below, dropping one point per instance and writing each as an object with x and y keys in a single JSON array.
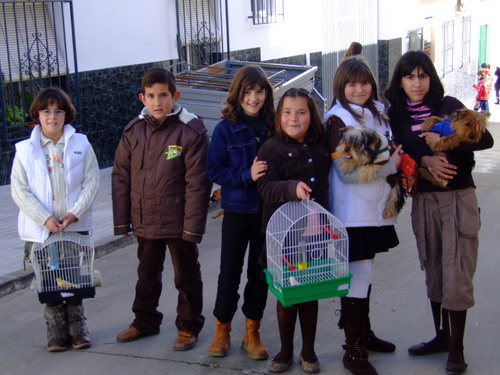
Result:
[
  {"x": 464, "y": 126},
  {"x": 367, "y": 150}
]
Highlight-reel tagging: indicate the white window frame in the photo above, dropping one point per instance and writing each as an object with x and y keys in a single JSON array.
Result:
[
  {"x": 466, "y": 39},
  {"x": 448, "y": 46}
]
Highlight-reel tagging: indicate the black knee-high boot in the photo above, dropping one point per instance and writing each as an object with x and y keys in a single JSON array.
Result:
[
  {"x": 456, "y": 362},
  {"x": 373, "y": 342},
  {"x": 354, "y": 314},
  {"x": 441, "y": 342}
]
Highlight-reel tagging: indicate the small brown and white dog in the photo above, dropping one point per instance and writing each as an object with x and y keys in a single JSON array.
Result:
[
  {"x": 464, "y": 126},
  {"x": 367, "y": 150}
]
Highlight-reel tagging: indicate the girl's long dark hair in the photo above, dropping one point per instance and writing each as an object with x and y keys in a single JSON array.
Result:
[
  {"x": 248, "y": 77},
  {"x": 354, "y": 69},
  {"x": 316, "y": 131},
  {"x": 405, "y": 65}
]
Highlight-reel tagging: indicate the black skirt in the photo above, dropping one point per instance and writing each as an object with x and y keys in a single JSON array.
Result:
[{"x": 365, "y": 242}]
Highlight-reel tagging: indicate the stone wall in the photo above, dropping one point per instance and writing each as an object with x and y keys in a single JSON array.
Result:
[{"x": 108, "y": 101}]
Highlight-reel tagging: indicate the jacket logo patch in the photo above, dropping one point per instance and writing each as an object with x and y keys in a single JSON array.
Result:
[{"x": 174, "y": 151}]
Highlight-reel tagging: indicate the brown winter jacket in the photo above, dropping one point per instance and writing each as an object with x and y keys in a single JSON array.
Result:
[{"x": 160, "y": 187}]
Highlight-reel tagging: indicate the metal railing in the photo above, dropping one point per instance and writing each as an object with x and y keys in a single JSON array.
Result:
[{"x": 35, "y": 52}]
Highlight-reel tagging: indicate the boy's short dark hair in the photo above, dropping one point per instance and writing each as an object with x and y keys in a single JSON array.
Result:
[{"x": 158, "y": 75}]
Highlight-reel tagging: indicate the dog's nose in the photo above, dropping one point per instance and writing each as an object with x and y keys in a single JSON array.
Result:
[
  {"x": 347, "y": 149},
  {"x": 471, "y": 136}
]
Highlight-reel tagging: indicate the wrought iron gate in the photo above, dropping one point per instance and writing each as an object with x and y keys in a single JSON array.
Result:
[
  {"x": 200, "y": 29},
  {"x": 36, "y": 51}
]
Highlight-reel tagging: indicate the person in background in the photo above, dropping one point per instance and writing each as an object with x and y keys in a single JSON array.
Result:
[
  {"x": 161, "y": 191},
  {"x": 54, "y": 181},
  {"x": 445, "y": 222},
  {"x": 497, "y": 85},
  {"x": 483, "y": 88},
  {"x": 233, "y": 164},
  {"x": 354, "y": 49}
]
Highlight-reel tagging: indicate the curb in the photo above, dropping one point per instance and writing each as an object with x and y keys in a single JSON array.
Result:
[
  {"x": 22, "y": 279},
  {"x": 18, "y": 280}
]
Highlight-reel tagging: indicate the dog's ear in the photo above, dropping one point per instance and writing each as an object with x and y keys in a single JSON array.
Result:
[
  {"x": 485, "y": 115},
  {"x": 345, "y": 129},
  {"x": 483, "y": 120},
  {"x": 371, "y": 142}
]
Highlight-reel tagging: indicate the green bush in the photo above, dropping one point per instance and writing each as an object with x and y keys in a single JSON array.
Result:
[{"x": 15, "y": 115}]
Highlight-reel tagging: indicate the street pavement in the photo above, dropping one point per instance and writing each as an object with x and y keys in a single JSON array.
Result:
[{"x": 400, "y": 310}]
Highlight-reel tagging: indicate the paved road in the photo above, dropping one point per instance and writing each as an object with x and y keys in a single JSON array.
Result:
[{"x": 399, "y": 310}]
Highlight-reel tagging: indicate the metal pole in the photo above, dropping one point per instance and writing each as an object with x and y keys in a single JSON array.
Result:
[{"x": 227, "y": 31}]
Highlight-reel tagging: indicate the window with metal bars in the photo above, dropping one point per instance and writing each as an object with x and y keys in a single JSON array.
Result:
[{"x": 267, "y": 11}]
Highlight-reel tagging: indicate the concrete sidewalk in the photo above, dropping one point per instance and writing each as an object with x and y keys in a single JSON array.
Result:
[{"x": 399, "y": 311}]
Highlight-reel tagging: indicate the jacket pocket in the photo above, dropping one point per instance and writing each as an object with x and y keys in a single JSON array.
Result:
[
  {"x": 242, "y": 154},
  {"x": 171, "y": 214}
]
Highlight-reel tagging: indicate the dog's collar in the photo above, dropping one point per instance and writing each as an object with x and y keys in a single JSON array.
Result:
[{"x": 381, "y": 151}]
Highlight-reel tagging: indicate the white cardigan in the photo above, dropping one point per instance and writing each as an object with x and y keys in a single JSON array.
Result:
[{"x": 355, "y": 204}]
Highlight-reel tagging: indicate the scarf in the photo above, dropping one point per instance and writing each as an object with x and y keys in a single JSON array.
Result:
[{"x": 258, "y": 125}]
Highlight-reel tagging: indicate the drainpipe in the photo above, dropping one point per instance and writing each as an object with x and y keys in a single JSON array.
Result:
[{"x": 227, "y": 31}]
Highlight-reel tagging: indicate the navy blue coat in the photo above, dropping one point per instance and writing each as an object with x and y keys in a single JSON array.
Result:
[{"x": 233, "y": 148}]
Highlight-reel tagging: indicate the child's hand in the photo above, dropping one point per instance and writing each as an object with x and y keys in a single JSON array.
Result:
[
  {"x": 303, "y": 191},
  {"x": 396, "y": 158},
  {"x": 440, "y": 168},
  {"x": 67, "y": 219},
  {"x": 258, "y": 169},
  {"x": 53, "y": 225},
  {"x": 408, "y": 181}
]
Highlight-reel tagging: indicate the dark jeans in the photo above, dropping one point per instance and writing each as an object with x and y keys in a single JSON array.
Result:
[
  {"x": 484, "y": 106},
  {"x": 240, "y": 231},
  {"x": 187, "y": 281}
]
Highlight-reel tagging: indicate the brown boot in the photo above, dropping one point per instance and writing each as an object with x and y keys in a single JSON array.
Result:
[
  {"x": 75, "y": 314},
  {"x": 222, "y": 339},
  {"x": 251, "y": 341},
  {"x": 57, "y": 328}
]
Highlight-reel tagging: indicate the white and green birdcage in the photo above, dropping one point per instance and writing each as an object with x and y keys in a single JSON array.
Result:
[{"x": 307, "y": 254}]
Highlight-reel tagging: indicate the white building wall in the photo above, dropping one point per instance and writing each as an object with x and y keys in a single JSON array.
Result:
[
  {"x": 298, "y": 34},
  {"x": 396, "y": 18},
  {"x": 345, "y": 21},
  {"x": 111, "y": 33}
]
